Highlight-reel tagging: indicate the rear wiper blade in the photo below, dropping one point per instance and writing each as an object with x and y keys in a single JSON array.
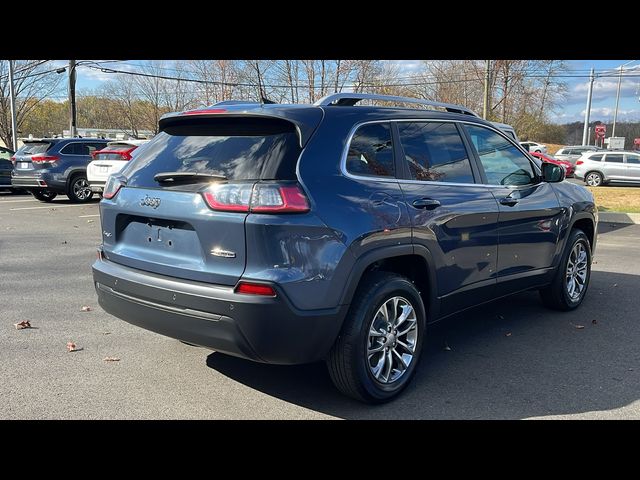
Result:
[{"x": 196, "y": 177}]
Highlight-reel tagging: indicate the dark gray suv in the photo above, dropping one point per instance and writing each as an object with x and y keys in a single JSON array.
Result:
[
  {"x": 49, "y": 166},
  {"x": 295, "y": 233}
]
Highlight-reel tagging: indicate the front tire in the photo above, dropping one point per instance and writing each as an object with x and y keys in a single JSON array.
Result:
[
  {"x": 571, "y": 281},
  {"x": 79, "y": 190},
  {"x": 44, "y": 195},
  {"x": 376, "y": 353}
]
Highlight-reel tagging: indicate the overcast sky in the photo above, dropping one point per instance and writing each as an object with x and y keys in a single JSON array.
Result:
[{"x": 572, "y": 109}]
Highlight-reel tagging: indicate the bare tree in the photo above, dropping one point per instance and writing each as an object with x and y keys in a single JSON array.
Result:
[{"x": 31, "y": 85}]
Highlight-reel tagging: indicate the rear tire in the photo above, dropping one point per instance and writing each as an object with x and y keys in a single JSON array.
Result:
[
  {"x": 44, "y": 195},
  {"x": 594, "y": 179},
  {"x": 79, "y": 190},
  {"x": 373, "y": 339},
  {"x": 558, "y": 295}
]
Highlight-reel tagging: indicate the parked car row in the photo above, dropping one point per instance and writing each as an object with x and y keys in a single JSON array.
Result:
[
  {"x": 5, "y": 168},
  {"x": 48, "y": 167}
]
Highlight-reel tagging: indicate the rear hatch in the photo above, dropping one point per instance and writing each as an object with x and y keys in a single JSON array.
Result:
[
  {"x": 33, "y": 155},
  {"x": 165, "y": 225},
  {"x": 109, "y": 160}
]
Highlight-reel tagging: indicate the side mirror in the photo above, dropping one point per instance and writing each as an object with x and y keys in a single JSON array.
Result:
[{"x": 552, "y": 173}]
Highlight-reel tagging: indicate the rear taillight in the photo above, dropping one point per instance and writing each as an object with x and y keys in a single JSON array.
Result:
[
  {"x": 248, "y": 288},
  {"x": 126, "y": 154},
  {"x": 13, "y": 160},
  {"x": 113, "y": 186},
  {"x": 44, "y": 158},
  {"x": 579, "y": 162},
  {"x": 259, "y": 198}
]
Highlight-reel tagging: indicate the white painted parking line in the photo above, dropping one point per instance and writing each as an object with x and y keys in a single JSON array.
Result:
[
  {"x": 18, "y": 201},
  {"x": 53, "y": 205},
  {"x": 87, "y": 216}
]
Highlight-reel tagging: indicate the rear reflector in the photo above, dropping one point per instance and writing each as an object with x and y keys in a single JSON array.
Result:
[
  {"x": 255, "y": 289},
  {"x": 579, "y": 162}
]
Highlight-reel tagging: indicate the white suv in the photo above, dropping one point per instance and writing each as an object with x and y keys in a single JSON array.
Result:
[
  {"x": 534, "y": 147},
  {"x": 600, "y": 168},
  {"x": 110, "y": 159}
]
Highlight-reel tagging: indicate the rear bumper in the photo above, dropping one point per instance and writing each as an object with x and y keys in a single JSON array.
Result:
[
  {"x": 96, "y": 187},
  {"x": 263, "y": 329},
  {"x": 40, "y": 180}
]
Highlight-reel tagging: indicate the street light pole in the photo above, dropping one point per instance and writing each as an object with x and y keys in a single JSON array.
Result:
[
  {"x": 12, "y": 94},
  {"x": 587, "y": 112},
  {"x": 615, "y": 112}
]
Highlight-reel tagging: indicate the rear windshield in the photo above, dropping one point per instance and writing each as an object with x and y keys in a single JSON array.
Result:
[
  {"x": 33, "y": 147},
  {"x": 238, "y": 148},
  {"x": 108, "y": 156}
]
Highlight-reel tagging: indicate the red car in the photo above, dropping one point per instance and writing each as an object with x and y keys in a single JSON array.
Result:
[{"x": 568, "y": 166}]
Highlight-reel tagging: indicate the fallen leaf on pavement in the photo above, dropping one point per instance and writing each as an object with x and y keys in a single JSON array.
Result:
[
  {"x": 72, "y": 347},
  {"x": 579, "y": 327},
  {"x": 63, "y": 243},
  {"x": 90, "y": 221},
  {"x": 106, "y": 333},
  {"x": 76, "y": 226},
  {"x": 615, "y": 284},
  {"x": 86, "y": 308},
  {"x": 111, "y": 359},
  {"x": 507, "y": 334},
  {"x": 594, "y": 322},
  {"x": 22, "y": 324},
  {"x": 447, "y": 347}
]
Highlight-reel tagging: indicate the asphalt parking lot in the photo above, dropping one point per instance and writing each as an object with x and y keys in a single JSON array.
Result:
[{"x": 510, "y": 360}]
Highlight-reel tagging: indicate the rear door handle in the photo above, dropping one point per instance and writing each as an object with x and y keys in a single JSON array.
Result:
[
  {"x": 426, "y": 203},
  {"x": 510, "y": 201}
]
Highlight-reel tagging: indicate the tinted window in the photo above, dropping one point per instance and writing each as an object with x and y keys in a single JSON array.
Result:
[
  {"x": 610, "y": 158},
  {"x": 435, "y": 152},
  {"x": 31, "y": 148},
  {"x": 503, "y": 163},
  {"x": 238, "y": 148},
  {"x": 371, "y": 151},
  {"x": 596, "y": 158},
  {"x": 74, "y": 149},
  {"x": 635, "y": 159}
]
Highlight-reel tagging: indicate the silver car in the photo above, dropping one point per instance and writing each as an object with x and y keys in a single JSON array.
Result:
[
  {"x": 600, "y": 168},
  {"x": 571, "y": 153}
]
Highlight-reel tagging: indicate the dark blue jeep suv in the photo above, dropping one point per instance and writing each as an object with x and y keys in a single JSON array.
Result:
[
  {"x": 295, "y": 233},
  {"x": 49, "y": 166}
]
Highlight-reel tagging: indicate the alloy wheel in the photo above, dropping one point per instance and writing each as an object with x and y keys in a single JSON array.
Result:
[{"x": 576, "y": 274}]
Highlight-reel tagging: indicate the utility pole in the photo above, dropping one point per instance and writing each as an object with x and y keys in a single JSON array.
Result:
[
  {"x": 12, "y": 94},
  {"x": 72, "y": 98},
  {"x": 587, "y": 113},
  {"x": 485, "y": 105},
  {"x": 615, "y": 112}
]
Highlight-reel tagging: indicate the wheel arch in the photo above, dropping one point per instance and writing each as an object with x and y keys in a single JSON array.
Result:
[{"x": 413, "y": 261}]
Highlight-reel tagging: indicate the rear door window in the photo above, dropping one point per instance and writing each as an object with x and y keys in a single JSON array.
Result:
[
  {"x": 434, "y": 152},
  {"x": 371, "y": 151},
  {"x": 238, "y": 148},
  {"x": 613, "y": 158},
  {"x": 595, "y": 158},
  {"x": 634, "y": 159}
]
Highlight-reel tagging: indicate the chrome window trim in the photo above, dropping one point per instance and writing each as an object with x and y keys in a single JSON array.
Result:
[{"x": 345, "y": 152}]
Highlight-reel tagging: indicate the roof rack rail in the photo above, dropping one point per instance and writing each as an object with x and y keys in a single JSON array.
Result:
[{"x": 350, "y": 99}]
